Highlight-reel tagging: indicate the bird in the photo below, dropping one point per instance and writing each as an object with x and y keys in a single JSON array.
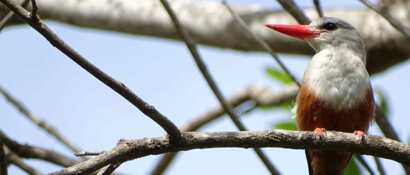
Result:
[{"x": 336, "y": 93}]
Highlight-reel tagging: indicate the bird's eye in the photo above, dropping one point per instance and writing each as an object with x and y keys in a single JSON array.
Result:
[{"x": 329, "y": 26}]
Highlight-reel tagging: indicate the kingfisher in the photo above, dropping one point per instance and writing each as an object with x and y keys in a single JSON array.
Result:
[{"x": 336, "y": 93}]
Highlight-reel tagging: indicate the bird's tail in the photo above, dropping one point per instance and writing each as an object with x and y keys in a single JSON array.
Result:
[{"x": 327, "y": 162}]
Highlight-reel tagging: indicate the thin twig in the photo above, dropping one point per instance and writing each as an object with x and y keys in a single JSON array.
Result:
[
  {"x": 209, "y": 79},
  {"x": 385, "y": 126},
  {"x": 318, "y": 8},
  {"x": 117, "y": 86},
  {"x": 291, "y": 7},
  {"x": 10, "y": 15},
  {"x": 34, "y": 10},
  {"x": 262, "y": 43},
  {"x": 133, "y": 149},
  {"x": 388, "y": 130},
  {"x": 18, "y": 162},
  {"x": 109, "y": 169},
  {"x": 29, "y": 151},
  {"x": 363, "y": 162},
  {"x": 6, "y": 19},
  {"x": 379, "y": 166},
  {"x": 37, "y": 121},
  {"x": 81, "y": 154},
  {"x": 3, "y": 159},
  {"x": 260, "y": 96},
  {"x": 395, "y": 23}
]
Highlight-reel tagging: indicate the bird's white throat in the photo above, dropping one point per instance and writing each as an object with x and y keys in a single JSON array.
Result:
[{"x": 338, "y": 77}]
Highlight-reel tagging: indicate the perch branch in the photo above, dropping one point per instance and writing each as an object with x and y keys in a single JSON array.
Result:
[{"x": 133, "y": 149}]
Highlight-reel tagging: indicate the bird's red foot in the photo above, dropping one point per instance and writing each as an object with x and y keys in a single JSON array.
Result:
[
  {"x": 320, "y": 132},
  {"x": 360, "y": 135}
]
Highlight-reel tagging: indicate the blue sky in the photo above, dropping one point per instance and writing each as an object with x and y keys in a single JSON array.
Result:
[{"x": 162, "y": 73}]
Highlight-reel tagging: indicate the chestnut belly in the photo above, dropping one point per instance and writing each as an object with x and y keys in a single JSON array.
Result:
[{"x": 313, "y": 113}]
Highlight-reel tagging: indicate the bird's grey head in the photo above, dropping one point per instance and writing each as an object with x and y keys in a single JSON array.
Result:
[
  {"x": 326, "y": 32},
  {"x": 334, "y": 32}
]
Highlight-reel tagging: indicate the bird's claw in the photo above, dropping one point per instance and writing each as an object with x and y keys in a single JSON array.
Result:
[
  {"x": 319, "y": 133},
  {"x": 361, "y": 135}
]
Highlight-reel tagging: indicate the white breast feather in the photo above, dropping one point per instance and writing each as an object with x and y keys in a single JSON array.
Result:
[{"x": 341, "y": 81}]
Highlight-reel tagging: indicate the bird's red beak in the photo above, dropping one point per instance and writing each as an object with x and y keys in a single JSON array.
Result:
[{"x": 298, "y": 31}]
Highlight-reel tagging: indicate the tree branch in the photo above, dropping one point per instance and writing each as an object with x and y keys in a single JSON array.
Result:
[
  {"x": 133, "y": 149},
  {"x": 9, "y": 15},
  {"x": 366, "y": 166},
  {"x": 385, "y": 126},
  {"x": 109, "y": 169},
  {"x": 29, "y": 151},
  {"x": 3, "y": 160},
  {"x": 293, "y": 9},
  {"x": 115, "y": 85},
  {"x": 384, "y": 13},
  {"x": 16, "y": 160},
  {"x": 379, "y": 166},
  {"x": 37, "y": 121},
  {"x": 318, "y": 8}
]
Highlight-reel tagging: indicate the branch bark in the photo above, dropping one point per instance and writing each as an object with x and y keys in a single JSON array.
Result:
[
  {"x": 17, "y": 161},
  {"x": 385, "y": 13},
  {"x": 209, "y": 23},
  {"x": 29, "y": 151},
  {"x": 292, "y": 8},
  {"x": 133, "y": 149},
  {"x": 3, "y": 159},
  {"x": 9, "y": 15}
]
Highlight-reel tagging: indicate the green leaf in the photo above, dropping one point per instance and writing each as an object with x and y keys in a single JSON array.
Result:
[
  {"x": 352, "y": 168},
  {"x": 286, "y": 125},
  {"x": 383, "y": 102},
  {"x": 279, "y": 76}
]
